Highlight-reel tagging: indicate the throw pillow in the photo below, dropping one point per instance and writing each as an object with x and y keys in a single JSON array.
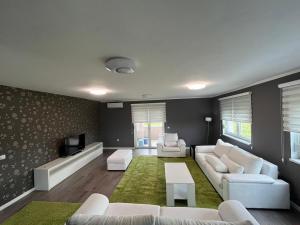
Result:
[
  {"x": 233, "y": 167},
  {"x": 216, "y": 163}
]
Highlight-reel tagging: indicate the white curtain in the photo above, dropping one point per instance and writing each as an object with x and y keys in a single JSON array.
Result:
[
  {"x": 236, "y": 108},
  {"x": 147, "y": 113},
  {"x": 291, "y": 108}
]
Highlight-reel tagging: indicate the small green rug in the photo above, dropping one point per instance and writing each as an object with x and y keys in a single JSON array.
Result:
[
  {"x": 144, "y": 182},
  {"x": 43, "y": 213}
]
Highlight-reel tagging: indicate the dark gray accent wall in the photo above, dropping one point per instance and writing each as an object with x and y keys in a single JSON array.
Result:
[
  {"x": 266, "y": 130},
  {"x": 32, "y": 126},
  {"x": 184, "y": 116}
]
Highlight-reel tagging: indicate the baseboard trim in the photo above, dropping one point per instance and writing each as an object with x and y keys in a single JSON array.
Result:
[
  {"x": 16, "y": 199},
  {"x": 295, "y": 206}
]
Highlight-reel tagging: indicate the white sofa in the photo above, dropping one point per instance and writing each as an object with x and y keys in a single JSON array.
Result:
[
  {"x": 171, "y": 146},
  {"x": 230, "y": 211},
  {"x": 257, "y": 186}
]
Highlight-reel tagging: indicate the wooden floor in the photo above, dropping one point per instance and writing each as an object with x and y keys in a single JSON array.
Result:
[{"x": 95, "y": 178}]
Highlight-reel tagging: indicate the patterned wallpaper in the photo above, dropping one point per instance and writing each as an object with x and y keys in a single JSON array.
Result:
[{"x": 32, "y": 125}]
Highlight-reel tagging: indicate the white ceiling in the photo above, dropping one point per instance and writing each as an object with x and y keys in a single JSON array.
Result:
[{"x": 59, "y": 46}]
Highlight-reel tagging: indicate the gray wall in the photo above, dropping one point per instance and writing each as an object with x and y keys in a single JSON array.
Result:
[
  {"x": 266, "y": 130},
  {"x": 184, "y": 116},
  {"x": 32, "y": 126}
]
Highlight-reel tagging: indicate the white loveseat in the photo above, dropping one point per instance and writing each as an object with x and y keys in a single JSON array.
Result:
[
  {"x": 230, "y": 211},
  {"x": 171, "y": 146},
  {"x": 252, "y": 181}
]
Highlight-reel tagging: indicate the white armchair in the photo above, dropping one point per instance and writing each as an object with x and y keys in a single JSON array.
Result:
[{"x": 170, "y": 146}]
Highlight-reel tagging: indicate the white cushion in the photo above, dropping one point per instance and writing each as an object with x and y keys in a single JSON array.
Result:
[
  {"x": 249, "y": 178},
  {"x": 232, "y": 166},
  {"x": 171, "y": 143},
  {"x": 216, "y": 163},
  {"x": 129, "y": 209},
  {"x": 190, "y": 213},
  {"x": 171, "y": 137},
  {"x": 251, "y": 163},
  {"x": 222, "y": 148},
  {"x": 171, "y": 149}
]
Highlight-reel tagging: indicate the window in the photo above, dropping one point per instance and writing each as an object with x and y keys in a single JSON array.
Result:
[
  {"x": 290, "y": 112},
  {"x": 236, "y": 116},
  {"x": 149, "y": 123}
]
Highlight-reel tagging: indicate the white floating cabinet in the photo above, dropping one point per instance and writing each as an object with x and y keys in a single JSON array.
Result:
[{"x": 54, "y": 172}]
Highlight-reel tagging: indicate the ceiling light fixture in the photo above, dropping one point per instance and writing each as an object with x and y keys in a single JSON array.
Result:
[
  {"x": 196, "y": 86},
  {"x": 97, "y": 92},
  {"x": 121, "y": 65}
]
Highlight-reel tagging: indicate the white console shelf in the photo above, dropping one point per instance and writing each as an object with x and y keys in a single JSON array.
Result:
[{"x": 54, "y": 172}]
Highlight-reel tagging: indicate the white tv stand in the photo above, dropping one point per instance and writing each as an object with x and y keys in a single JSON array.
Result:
[{"x": 54, "y": 172}]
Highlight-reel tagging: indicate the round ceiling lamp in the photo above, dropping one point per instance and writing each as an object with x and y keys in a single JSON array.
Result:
[{"x": 121, "y": 65}]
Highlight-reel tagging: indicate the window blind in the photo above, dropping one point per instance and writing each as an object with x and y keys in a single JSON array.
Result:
[
  {"x": 147, "y": 113},
  {"x": 236, "y": 108},
  {"x": 291, "y": 108}
]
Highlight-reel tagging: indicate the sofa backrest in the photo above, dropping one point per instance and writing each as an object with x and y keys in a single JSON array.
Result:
[{"x": 251, "y": 163}]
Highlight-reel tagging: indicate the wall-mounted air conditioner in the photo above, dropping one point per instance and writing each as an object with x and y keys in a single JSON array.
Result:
[{"x": 115, "y": 105}]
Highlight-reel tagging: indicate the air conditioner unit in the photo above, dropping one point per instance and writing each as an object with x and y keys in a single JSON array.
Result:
[{"x": 115, "y": 105}]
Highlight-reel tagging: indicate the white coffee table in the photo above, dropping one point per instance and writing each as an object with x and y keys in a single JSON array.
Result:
[{"x": 179, "y": 184}]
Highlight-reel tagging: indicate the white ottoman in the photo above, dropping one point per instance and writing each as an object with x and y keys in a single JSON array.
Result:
[{"x": 119, "y": 160}]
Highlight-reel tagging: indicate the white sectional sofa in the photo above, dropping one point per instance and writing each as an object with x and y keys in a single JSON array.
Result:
[
  {"x": 240, "y": 175},
  {"x": 97, "y": 204}
]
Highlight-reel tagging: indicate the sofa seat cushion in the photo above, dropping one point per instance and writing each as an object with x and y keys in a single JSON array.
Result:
[
  {"x": 251, "y": 163},
  {"x": 249, "y": 178},
  {"x": 233, "y": 167},
  {"x": 222, "y": 148},
  {"x": 216, "y": 163},
  {"x": 129, "y": 209},
  {"x": 190, "y": 213},
  {"x": 120, "y": 156}
]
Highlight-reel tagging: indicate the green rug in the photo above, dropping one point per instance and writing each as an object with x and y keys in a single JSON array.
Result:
[
  {"x": 43, "y": 213},
  {"x": 144, "y": 182}
]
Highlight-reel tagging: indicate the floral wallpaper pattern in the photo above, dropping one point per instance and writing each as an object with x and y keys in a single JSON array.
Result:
[{"x": 32, "y": 126}]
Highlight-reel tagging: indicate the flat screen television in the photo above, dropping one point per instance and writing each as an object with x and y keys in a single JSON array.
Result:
[{"x": 73, "y": 145}]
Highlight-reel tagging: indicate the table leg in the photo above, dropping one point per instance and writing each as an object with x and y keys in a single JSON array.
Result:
[
  {"x": 191, "y": 195},
  {"x": 170, "y": 195}
]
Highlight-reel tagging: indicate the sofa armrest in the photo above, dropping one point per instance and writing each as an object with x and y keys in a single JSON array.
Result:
[
  {"x": 234, "y": 211},
  {"x": 96, "y": 204},
  {"x": 160, "y": 146},
  {"x": 181, "y": 143},
  {"x": 204, "y": 148},
  {"x": 248, "y": 178}
]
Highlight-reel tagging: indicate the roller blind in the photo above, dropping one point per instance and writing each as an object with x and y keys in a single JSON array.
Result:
[
  {"x": 147, "y": 113},
  {"x": 291, "y": 108},
  {"x": 236, "y": 108}
]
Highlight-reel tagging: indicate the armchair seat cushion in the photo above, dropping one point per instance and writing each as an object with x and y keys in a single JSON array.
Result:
[
  {"x": 171, "y": 149},
  {"x": 171, "y": 143}
]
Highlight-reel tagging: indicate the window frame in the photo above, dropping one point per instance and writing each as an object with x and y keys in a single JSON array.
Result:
[{"x": 237, "y": 136}]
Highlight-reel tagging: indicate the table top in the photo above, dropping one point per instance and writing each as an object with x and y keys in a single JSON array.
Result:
[{"x": 178, "y": 173}]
